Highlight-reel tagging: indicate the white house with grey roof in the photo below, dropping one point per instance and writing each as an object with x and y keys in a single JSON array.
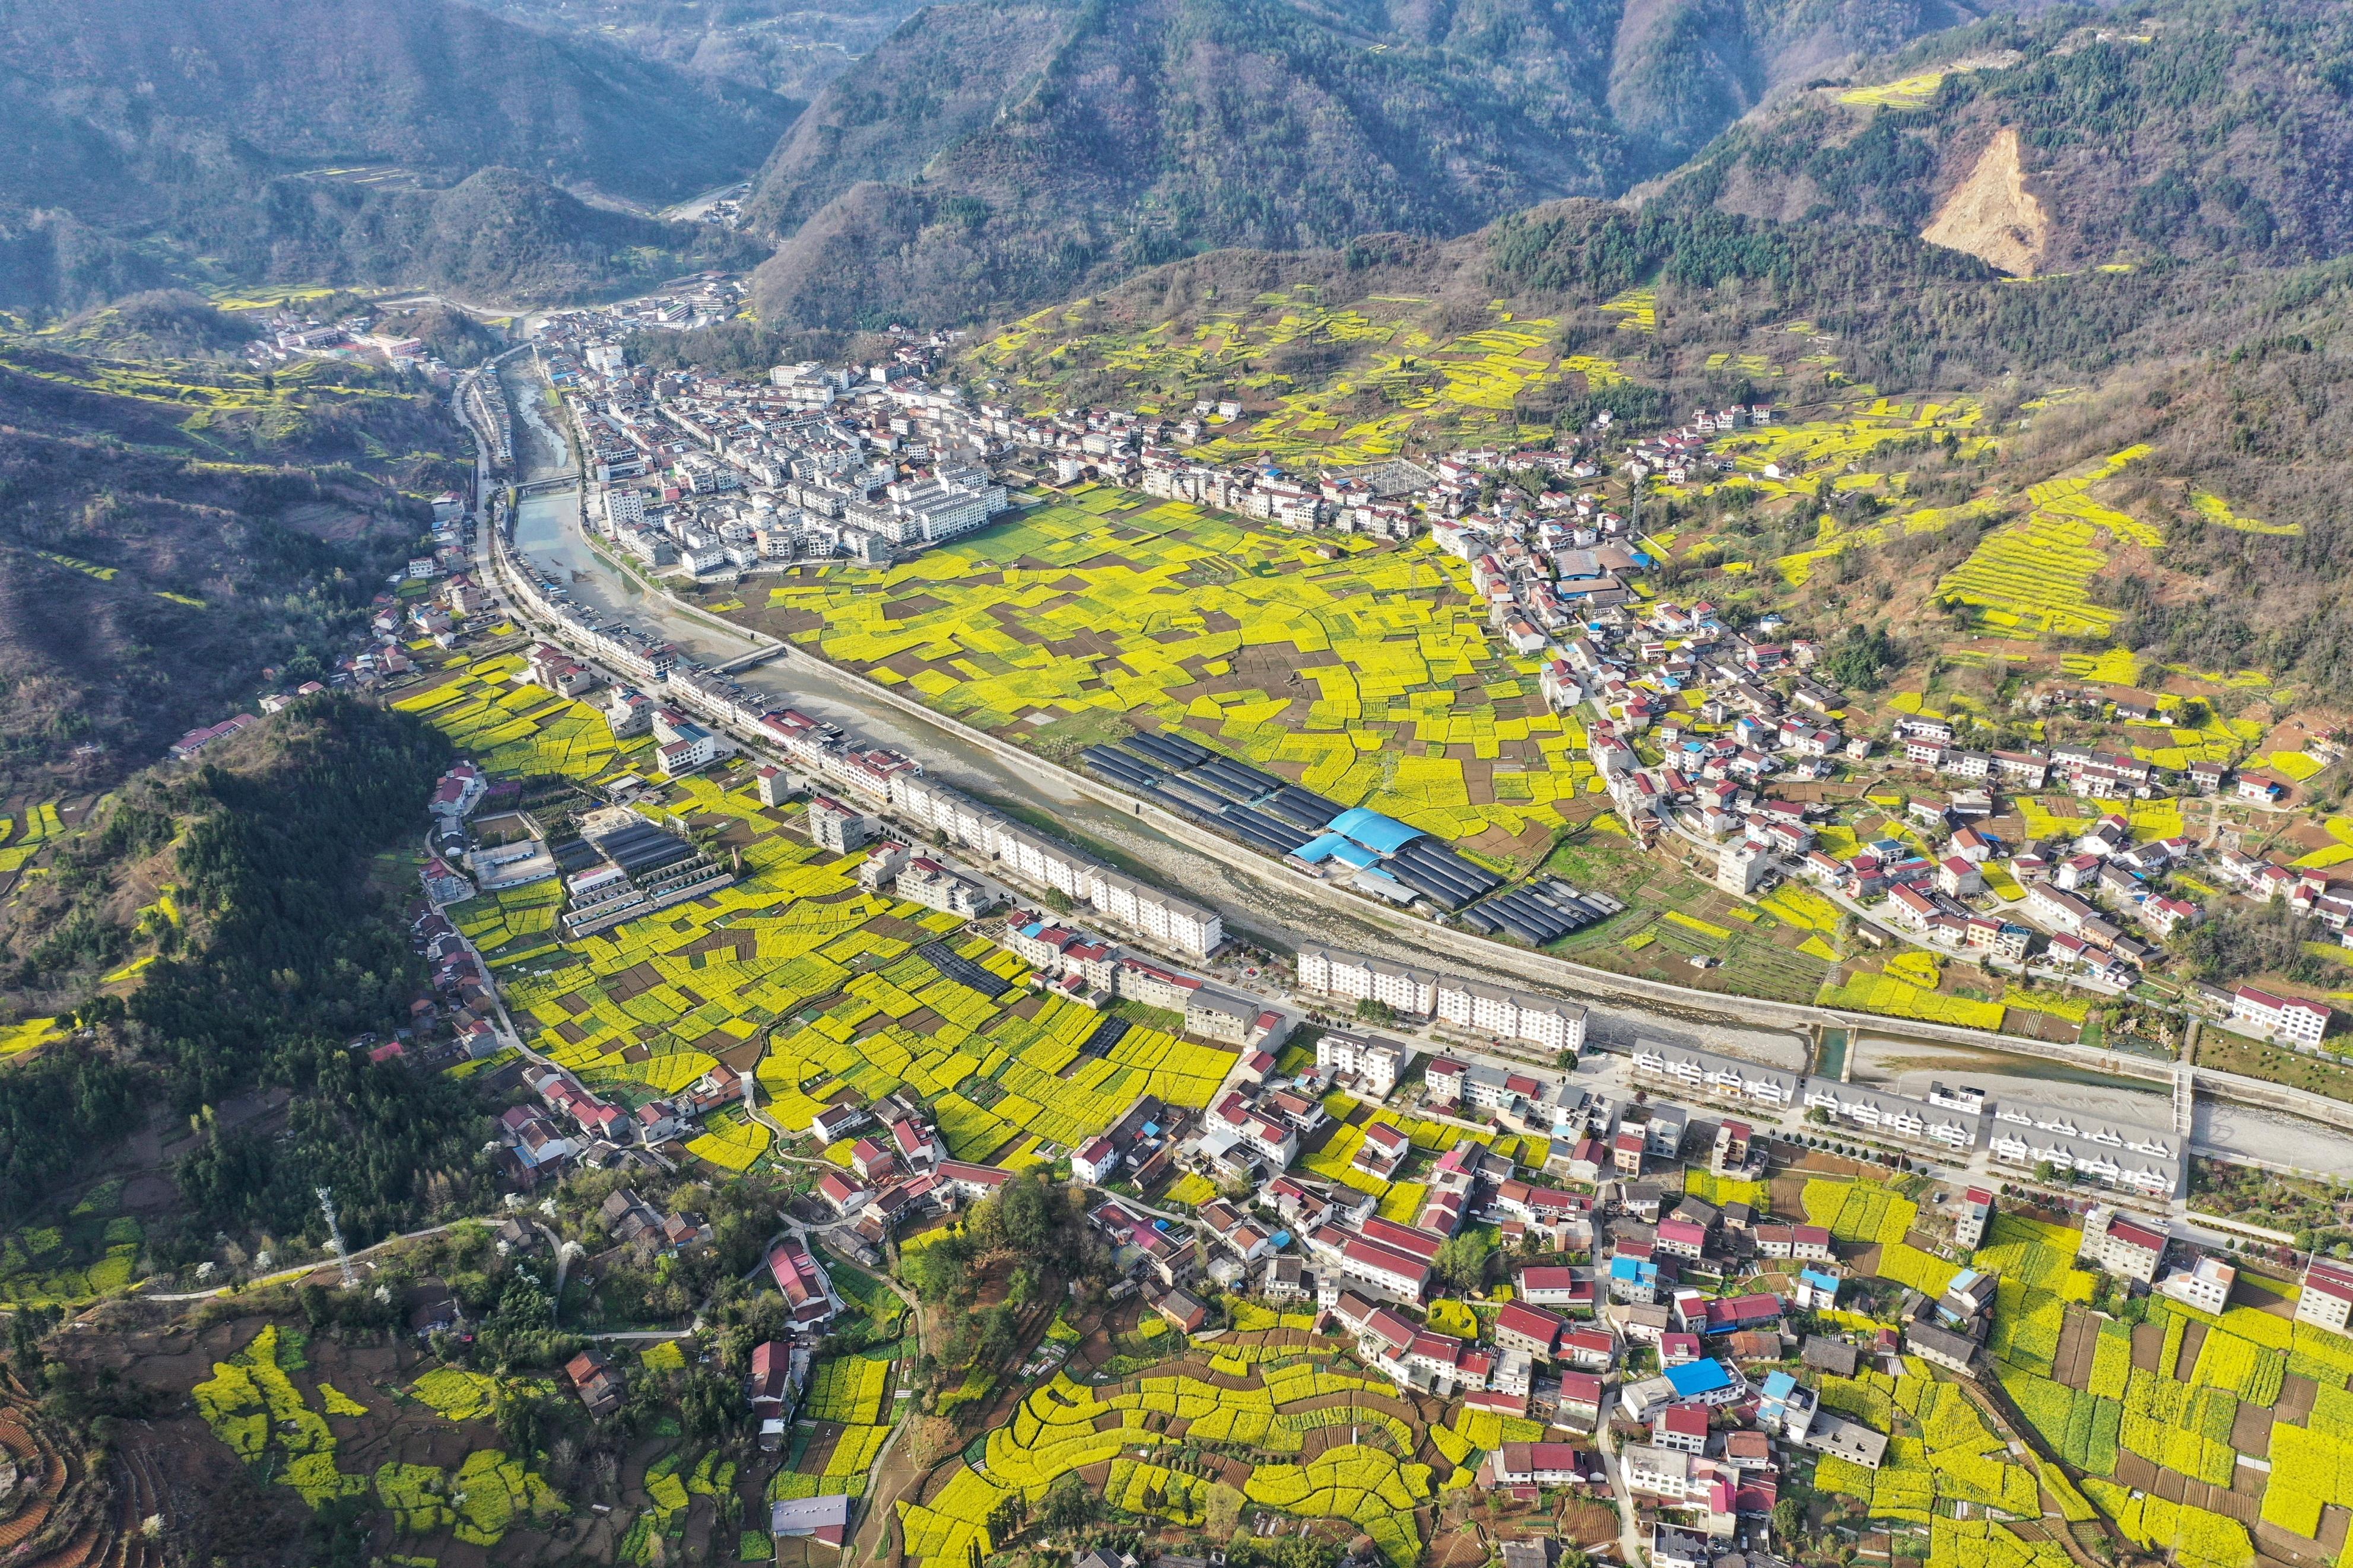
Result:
[{"x": 2119, "y": 1154}]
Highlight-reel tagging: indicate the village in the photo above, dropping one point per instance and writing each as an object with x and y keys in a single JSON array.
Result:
[
  {"x": 1731, "y": 741},
  {"x": 1644, "y": 1300}
]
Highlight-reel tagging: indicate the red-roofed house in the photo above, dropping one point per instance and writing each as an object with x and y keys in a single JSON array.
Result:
[
  {"x": 1681, "y": 1426},
  {"x": 1556, "y": 1285},
  {"x": 1385, "y": 1268},
  {"x": 808, "y": 1293},
  {"x": 1537, "y": 1465},
  {"x": 1581, "y": 1394},
  {"x": 1095, "y": 1160},
  {"x": 2327, "y": 1297},
  {"x": 1531, "y": 1328},
  {"x": 844, "y": 1194}
]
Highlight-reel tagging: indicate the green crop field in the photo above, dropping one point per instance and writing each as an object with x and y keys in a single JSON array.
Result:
[{"x": 1371, "y": 677}]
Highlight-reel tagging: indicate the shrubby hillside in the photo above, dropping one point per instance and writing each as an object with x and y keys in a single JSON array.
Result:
[
  {"x": 2072, "y": 139},
  {"x": 172, "y": 526}
]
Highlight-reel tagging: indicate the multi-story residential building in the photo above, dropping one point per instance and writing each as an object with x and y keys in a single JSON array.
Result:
[
  {"x": 2327, "y": 1301},
  {"x": 1717, "y": 1077},
  {"x": 1490, "y": 1010},
  {"x": 2118, "y": 1154},
  {"x": 1353, "y": 977},
  {"x": 2122, "y": 1245},
  {"x": 2291, "y": 1020},
  {"x": 1375, "y": 1061},
  {"x": 1971, "y": 1218},
  {"x": 1895, "y": 1116}
]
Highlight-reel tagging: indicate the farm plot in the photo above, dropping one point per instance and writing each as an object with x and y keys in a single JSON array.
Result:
[
  {"x": 1371, "y": 678},
  {"x": 254, "y": 1407},
  {"x": 520, "y": 731},
  {"x": 844, "y": 1420},
  {"x": 837, "y": 980},
  {"x": 2156, "y": 1418},
  {"x": 1308, "y": 1441},
  {"x": 91, "y": 1251}
]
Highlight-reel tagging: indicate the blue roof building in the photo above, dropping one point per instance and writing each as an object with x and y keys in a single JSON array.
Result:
[
  {"x": 1381, "y": 834},
  {"x": 1696, "y": 1378}
]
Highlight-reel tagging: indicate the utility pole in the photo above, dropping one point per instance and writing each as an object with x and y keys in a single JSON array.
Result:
[{"x": 335, "y": 1236}]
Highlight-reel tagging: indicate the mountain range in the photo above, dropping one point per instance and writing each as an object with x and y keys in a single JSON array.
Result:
[
  {"x": 1000, "y": 150},
  {"x": 2071, "y": 139},
  {"x": 412, "y": 140}
]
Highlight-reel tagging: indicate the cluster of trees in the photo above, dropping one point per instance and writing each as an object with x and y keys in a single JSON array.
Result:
[
  {"x": 290, "y": 953},
  {"x": 2232, "y": 943}
]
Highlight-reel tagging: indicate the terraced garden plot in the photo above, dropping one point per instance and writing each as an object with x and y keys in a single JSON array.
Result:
[
  {"x": 1398, "y": 387},
  {"x": 517, "y": 730},
  {"x": 1297, "y": 1437},
  {"x": 253, "y": 1405},
  {"x": 2033, "y": 577},
  {"x": 1371, "y": 678},
  {"x": 91, "y": 1251},
  {"x": 1895, "y": 997}
]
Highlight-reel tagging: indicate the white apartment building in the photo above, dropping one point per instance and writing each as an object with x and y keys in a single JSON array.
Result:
[
  {"x": 1510, "y": 1015},
  {"x": 1352, "y": 977},
  {"x": 2122, "y": 1246},
  {"x": 1372, "y": 1060},
  {"x": 1721, "y": 1077},
  {"x": 2289, "y": 1020}
]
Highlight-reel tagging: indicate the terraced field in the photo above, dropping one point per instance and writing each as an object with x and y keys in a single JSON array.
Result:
[
  {"x": 2033, "y": 578},
  {"x": 1398, "y": 386},
  {"x": 507, "y": 726},
  {"x": 1261, "y": 1413}
]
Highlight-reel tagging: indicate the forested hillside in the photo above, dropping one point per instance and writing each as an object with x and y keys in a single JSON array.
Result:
[
  {"x": 786, "y": 46},
  {"x": 2073, "y": 139},
  {"x": 272, "y": 948},
  {"x": 172, "y": 526},
  {"x": 415, "y": 141},
  {"x": 1001, "y": 151}
]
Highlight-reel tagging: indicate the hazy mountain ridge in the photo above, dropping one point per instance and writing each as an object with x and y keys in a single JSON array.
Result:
[
  {"x": 1032, "y": 148},
  {"x": 340, "y": 141},
  {"x": 782, "y": 46}
]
